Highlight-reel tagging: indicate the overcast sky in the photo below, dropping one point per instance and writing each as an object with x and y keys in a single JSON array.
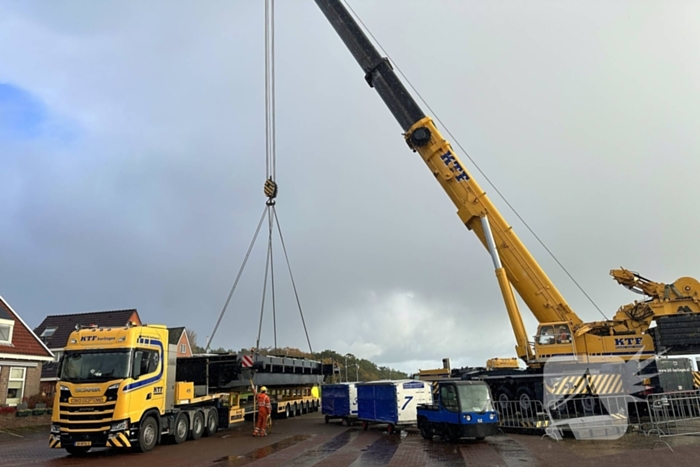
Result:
[{"x": 132, "y": 143}]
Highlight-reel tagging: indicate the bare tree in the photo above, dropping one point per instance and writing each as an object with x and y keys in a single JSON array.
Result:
[{"x": 192, "y": 337}]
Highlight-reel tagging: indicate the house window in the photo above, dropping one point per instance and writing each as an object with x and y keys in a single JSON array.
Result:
[
  {"x": 57, "y": 354},
  {"x": 6, "y": 326},
  {"x": 48, "y": 332},
  {"x": 183, "y": 348},
  {"x": 15, "y": 385}
]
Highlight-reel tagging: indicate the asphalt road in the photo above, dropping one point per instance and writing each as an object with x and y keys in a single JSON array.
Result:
[{"x": 308, "y": 441}]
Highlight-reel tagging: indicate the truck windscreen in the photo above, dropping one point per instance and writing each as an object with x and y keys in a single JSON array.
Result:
[
  {"x": 94, "y": 366},
  {"x": 475, "y": 398}
]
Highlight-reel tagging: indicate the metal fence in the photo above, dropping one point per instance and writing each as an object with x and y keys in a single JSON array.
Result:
[
  {"x": 599, "y": 417},
  {"x": 514, "y": 416},
  {"x": 674, "y": 414}
]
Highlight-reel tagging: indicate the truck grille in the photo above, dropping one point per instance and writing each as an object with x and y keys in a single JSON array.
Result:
[{"x": 73, "y": 418}]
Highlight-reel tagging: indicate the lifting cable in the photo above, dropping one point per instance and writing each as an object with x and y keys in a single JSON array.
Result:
[
  {"x": 270, "y": 189},
  {"x": 359, "y": 20}
]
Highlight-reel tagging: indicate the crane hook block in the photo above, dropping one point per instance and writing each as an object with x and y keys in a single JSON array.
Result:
[{"x": 270, "y": 188}]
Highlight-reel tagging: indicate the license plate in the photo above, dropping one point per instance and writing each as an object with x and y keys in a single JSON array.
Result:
[
  {"x": 86, "y": 400},
  {"x": 83, "y": 443}
]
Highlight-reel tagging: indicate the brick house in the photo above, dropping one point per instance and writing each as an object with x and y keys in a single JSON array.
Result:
[
  {"x": 179, "y": 336},
  {"x": 55, "y": 330},
  {"x": 21, "y": 357}
]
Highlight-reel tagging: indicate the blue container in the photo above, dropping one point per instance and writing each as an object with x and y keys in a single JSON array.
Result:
[
  {"x": 339, "y": 400},
  {"x": 392, "y": 402}
]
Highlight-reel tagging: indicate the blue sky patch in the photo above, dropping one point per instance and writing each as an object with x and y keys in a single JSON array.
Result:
[
  {"x": 21, "y": 114},
  {"x": 24, "y": 116}
]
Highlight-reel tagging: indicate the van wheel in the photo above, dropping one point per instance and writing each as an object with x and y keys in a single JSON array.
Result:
[
  {"x": 181, "y": 428},
  {"x": 148, "y": 434},
  {"x": 286, "y": 411},
  {"x": 197, "y": 425},
  {"x": 212, "y": 423}
]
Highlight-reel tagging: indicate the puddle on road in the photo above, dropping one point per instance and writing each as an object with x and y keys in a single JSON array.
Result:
[
  {"x": 512, "y": 452},
  {"x": 261, "y": 452},
  {"x": 314, "y": 455},
  {"x": 378, "y": 453},
  {"x": 444, "y": 454}
]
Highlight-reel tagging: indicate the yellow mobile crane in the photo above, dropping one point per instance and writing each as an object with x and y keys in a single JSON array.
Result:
[{"x": 561, "y": 332}]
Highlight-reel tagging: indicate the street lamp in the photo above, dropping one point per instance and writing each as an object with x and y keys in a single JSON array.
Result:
[{"x": 346, "y": 366}]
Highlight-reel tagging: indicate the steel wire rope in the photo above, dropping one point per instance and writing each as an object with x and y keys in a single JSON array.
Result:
[
  {"x": 235, "y": 282},
  {"x": 473, "y": 162},
  {"x": 289, "y": 267}
]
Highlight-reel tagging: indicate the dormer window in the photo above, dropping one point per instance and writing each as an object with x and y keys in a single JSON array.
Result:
[
  {"x": 48, "y": 332},
  {"x": 6, "y": 326}
]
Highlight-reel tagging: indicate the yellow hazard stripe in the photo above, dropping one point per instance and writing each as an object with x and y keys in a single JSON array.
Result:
[
  {"x": 696, "y": 379},
  {"x": 120, "y": 440},
  {"x": 54, "y": 443},
  {"x": 594, "y": 384}
]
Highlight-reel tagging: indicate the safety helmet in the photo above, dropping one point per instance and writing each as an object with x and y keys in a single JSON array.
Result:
[{"x": 263, "y": 389}]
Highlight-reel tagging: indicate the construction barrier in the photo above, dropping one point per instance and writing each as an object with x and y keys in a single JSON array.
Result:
[
  {"x": 589, "y": 417},
  {"x": 515, "y": 416},
  {"x": 674, "y": 414},
  {"x": 599, "y": 417}
]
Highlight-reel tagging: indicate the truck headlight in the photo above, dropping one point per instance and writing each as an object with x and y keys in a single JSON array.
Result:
[
  {"x": 468, "y": 418},
  {"x": 120, "y": 426},
  {"x": 114, "y": 386},
  {"x": 492, "y": 416},
  {"x": 64, "y": 388},
  {"x": 55, "y": 428}
]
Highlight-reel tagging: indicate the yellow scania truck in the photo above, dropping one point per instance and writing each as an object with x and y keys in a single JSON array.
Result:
[{"x": 125, "y": 388}]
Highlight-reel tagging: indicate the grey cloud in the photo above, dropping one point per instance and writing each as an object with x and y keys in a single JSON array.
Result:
[{"x": 589, "y": 135}]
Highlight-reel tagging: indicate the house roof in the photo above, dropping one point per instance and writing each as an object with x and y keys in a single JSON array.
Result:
[
  {"x": 25, "y": 342},
  {"x": 65, "y": 324},
  {"x": 174, "y": 335}
]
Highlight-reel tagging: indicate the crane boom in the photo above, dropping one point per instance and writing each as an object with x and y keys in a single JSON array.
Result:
[{"x": 527, "y": 277}]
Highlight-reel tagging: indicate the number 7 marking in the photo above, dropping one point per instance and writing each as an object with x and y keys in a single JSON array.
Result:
[{"x": 408, "y": 399}]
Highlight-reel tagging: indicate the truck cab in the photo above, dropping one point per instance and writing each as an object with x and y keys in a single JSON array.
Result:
[{"x": 460, "y": 409}]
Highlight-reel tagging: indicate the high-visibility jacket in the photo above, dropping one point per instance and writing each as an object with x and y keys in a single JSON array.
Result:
[{"x": 263, "y": 400}]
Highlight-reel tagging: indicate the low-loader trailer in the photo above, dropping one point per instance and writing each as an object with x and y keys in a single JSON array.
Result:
[{"x": 125, "y": 388}]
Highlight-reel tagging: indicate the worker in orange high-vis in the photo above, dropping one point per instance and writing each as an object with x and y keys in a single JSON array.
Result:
[{"x": 264, "y": 410}]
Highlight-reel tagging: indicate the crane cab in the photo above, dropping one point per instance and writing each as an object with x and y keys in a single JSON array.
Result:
[{"x": 554, "y": 340}]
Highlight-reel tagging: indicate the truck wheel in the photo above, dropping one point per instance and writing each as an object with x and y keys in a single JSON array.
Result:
[
  {"x": 390, "y": 429},
  {"x": 327, "y": 418},
  {"x": 424, "y": 429},
  {"x": 197, "y": 425},
  {"x": 480, "y": 438},
  {"x": 181, "y": 428},
  {"x": 148, "y": 435},
  {"x": 212, "y": 423},
  {"x": 77, "y": 450}
]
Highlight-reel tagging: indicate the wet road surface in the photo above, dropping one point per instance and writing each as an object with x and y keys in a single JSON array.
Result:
[{"x": 308, "y": 441}]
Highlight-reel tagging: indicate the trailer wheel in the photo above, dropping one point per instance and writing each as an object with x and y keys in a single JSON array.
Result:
[
  {"x": 181, "y": 428},
  {"x": 148, "y": 434},
  {"x": 390, "y": 429},
  {"x": 365, "y": 425},
  {"x": 327, "y": 418},
  {"x": 197, "y": 425},
  {"x": 212, "y": 423}
]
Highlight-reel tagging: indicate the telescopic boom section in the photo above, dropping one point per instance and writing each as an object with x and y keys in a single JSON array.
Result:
[{"x": 526, "y": 276}]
